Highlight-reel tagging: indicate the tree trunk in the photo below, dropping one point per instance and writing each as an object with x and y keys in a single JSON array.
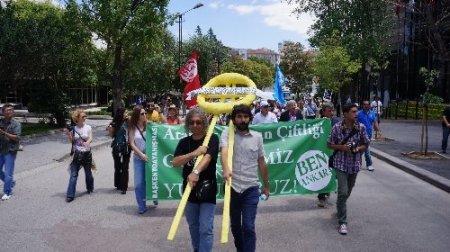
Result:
[{"x": 117, "y": 84}]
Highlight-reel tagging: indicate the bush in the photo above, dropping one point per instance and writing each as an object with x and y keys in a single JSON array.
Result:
[{"x": 434, "y": 110}]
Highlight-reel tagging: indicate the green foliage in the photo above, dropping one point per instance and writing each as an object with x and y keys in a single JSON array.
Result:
[
  {"x": 297, "y": 66},
  {"x": 260, "y": 73},
  {"x": 35, "y": 128},
  {"x": 434, "y": 110},
  {"x": 430, "y": 81},
  {"x": 334, "y": 66},
  {"x": 211, "y": 53},
  {"x": 44, "y": 47},
  {"x": 133, "y": 32}
]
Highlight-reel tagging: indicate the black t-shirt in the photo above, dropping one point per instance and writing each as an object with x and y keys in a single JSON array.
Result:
[
  {"x": 446, "y": 113},
  {"x": 187, "y": 145}
]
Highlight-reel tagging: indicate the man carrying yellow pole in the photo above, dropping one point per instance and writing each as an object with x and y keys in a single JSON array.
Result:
[{"x": 248, "y": 158}]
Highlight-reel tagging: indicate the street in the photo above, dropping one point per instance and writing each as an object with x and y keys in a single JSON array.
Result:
[{"x": 388, "y": 210}]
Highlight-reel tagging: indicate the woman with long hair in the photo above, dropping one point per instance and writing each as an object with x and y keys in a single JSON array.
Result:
[
  {"x": 202, "y": 178},
  {"x": 136, "y": 138},
  {"x": 80, "y": 136},
  {"x": 117, "y": 129}
]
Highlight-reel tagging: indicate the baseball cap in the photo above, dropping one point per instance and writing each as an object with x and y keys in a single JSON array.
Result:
[{"x": 264, "y": 104}]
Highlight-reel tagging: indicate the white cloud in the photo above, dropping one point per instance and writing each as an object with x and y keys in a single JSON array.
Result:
[
  {"x": 276, "y": 14},
  {"x": 216, "y": 5}
]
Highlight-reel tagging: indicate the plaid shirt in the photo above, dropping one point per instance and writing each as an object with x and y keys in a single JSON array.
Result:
[{"x": 345, "y": 161}]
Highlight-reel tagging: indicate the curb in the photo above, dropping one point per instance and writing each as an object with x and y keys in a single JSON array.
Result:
[{"x": 414, "y": 170}]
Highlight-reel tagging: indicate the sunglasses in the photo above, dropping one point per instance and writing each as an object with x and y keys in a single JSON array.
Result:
[
  {"x": 143, "y": 113},
  {"x": 196, "y": 122},
  {"x": 83, "y": 116}
]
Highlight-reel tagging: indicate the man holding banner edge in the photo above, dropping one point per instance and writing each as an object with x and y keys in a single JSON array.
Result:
[{"x": 247, "y": 159}]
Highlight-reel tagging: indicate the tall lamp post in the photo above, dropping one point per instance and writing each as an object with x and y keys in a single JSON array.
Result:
[{"x": 180, "y": 31}]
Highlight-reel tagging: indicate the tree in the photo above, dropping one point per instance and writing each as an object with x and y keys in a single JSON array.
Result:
[
  {"x": 430, "y": 77},
  {"x": 211, "y": 53},
  {"x": 297, "y": 66},
  {"x": 130, "y": 29},
  {"x": 261, "y": 74},
  {"x": 43, "y": 49},
  {"x": 363, "y": 26},
  {"x": 334, "y": 67}
]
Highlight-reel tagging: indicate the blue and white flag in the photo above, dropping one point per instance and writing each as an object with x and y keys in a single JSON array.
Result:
[{"x": 277, "y": 90}]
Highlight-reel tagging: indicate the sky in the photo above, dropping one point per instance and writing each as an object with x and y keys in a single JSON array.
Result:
[{"x": 249, "y": 24}]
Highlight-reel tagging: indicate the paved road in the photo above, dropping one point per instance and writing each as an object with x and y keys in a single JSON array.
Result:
[
  {"x": 44, "y": 150},
  {"x": 389, "y": 210}
]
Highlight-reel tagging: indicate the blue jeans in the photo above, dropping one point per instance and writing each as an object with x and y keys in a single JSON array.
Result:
[
  {"x": 346, "y": 182},
  {"x": 368, "y": 157},
  {"x": 7, "y": 174},
  {"x": 139, "y": 183},
  {"x": 74, "y": 169},
  {"x": 200, "y": 217},
  {"x": 445, "y": 134},
  {"x": 243, "y": 208}
]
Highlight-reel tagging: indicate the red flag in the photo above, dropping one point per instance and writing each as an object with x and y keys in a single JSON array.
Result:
[{"x": 189, "y": 74}]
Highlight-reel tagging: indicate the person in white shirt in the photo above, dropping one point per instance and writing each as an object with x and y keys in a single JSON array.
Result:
[
  {"x": 265, "y": 115},
  {"x": 377, "y": 107}
]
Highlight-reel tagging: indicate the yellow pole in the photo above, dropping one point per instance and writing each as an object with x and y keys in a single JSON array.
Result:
[
  {"x": 227, "y": 196},
  {"x": 187, "y": 191}
]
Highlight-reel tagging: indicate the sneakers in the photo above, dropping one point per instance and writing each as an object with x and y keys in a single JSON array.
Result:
[
  {"x": 69, "y": 199},
  {"x": 6, "y": 197},
  {"x": 321, "y": 203},
  {"x": 343, "y": 229},
  {"x": 370, "y": 168}
]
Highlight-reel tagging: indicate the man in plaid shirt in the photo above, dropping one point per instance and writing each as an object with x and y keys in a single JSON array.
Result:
[{"x": 348, "y": 139}]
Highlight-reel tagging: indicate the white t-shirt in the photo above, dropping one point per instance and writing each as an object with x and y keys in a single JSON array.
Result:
[
  {"x": 269, "y": 118},
  {"x": 377, "y": 107},
  {"x": 84, "y": 132}
]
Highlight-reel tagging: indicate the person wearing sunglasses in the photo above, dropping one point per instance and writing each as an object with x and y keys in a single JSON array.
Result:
[
  {"x": 80, "y": 136},
  {"x": 136, "y": 136},
  {"x": 202, "y": 178}
]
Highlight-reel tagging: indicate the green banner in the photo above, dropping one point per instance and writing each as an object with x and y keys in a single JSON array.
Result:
[{"x": 296, "y": 154}]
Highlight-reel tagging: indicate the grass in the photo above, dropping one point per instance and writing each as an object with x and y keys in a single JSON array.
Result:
[
  {"x": 434, "y": 111},
  {"x": 35, "y": 128}
]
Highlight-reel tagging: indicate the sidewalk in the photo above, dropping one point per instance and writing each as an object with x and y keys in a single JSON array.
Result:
[{"x": 405, "y": 137}]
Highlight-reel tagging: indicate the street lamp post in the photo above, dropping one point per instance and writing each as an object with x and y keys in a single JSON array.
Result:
[{"x": 180, "y": 32}]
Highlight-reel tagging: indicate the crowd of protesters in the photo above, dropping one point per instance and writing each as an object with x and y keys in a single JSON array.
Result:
[{"x": 129, "y": 135}]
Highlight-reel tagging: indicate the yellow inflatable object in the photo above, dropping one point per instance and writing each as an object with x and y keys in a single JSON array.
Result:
[
  {"x": 226, "y": 80},
  {"x": 224, "y": 105}
]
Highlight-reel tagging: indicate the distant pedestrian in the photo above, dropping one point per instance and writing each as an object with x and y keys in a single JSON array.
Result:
[
  {"x": 265, "y": 115},
  {"x": 80, "y": 137},
  {"x": 369, "y": 119},
  {"x": 202, "y": 178},
  {"x": 377, "y": 107},
  {"x": 301, "y": 108},
  {"x": 154, "y": 113},
  {"x": 326, "y": 112},
  {"x": 291, "y": 113},
  {"x": 136, "y": 136},
  {"x": 172, "y": 115},
  {"x": 312, "y": 111},
  {"x": 120, "y": 149},
  {"x": 248, "y": 158},
  {"x": 348, "y": 139},
  {"x": 445, "y": 128},
  {"x": 10, "y": 130}
]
